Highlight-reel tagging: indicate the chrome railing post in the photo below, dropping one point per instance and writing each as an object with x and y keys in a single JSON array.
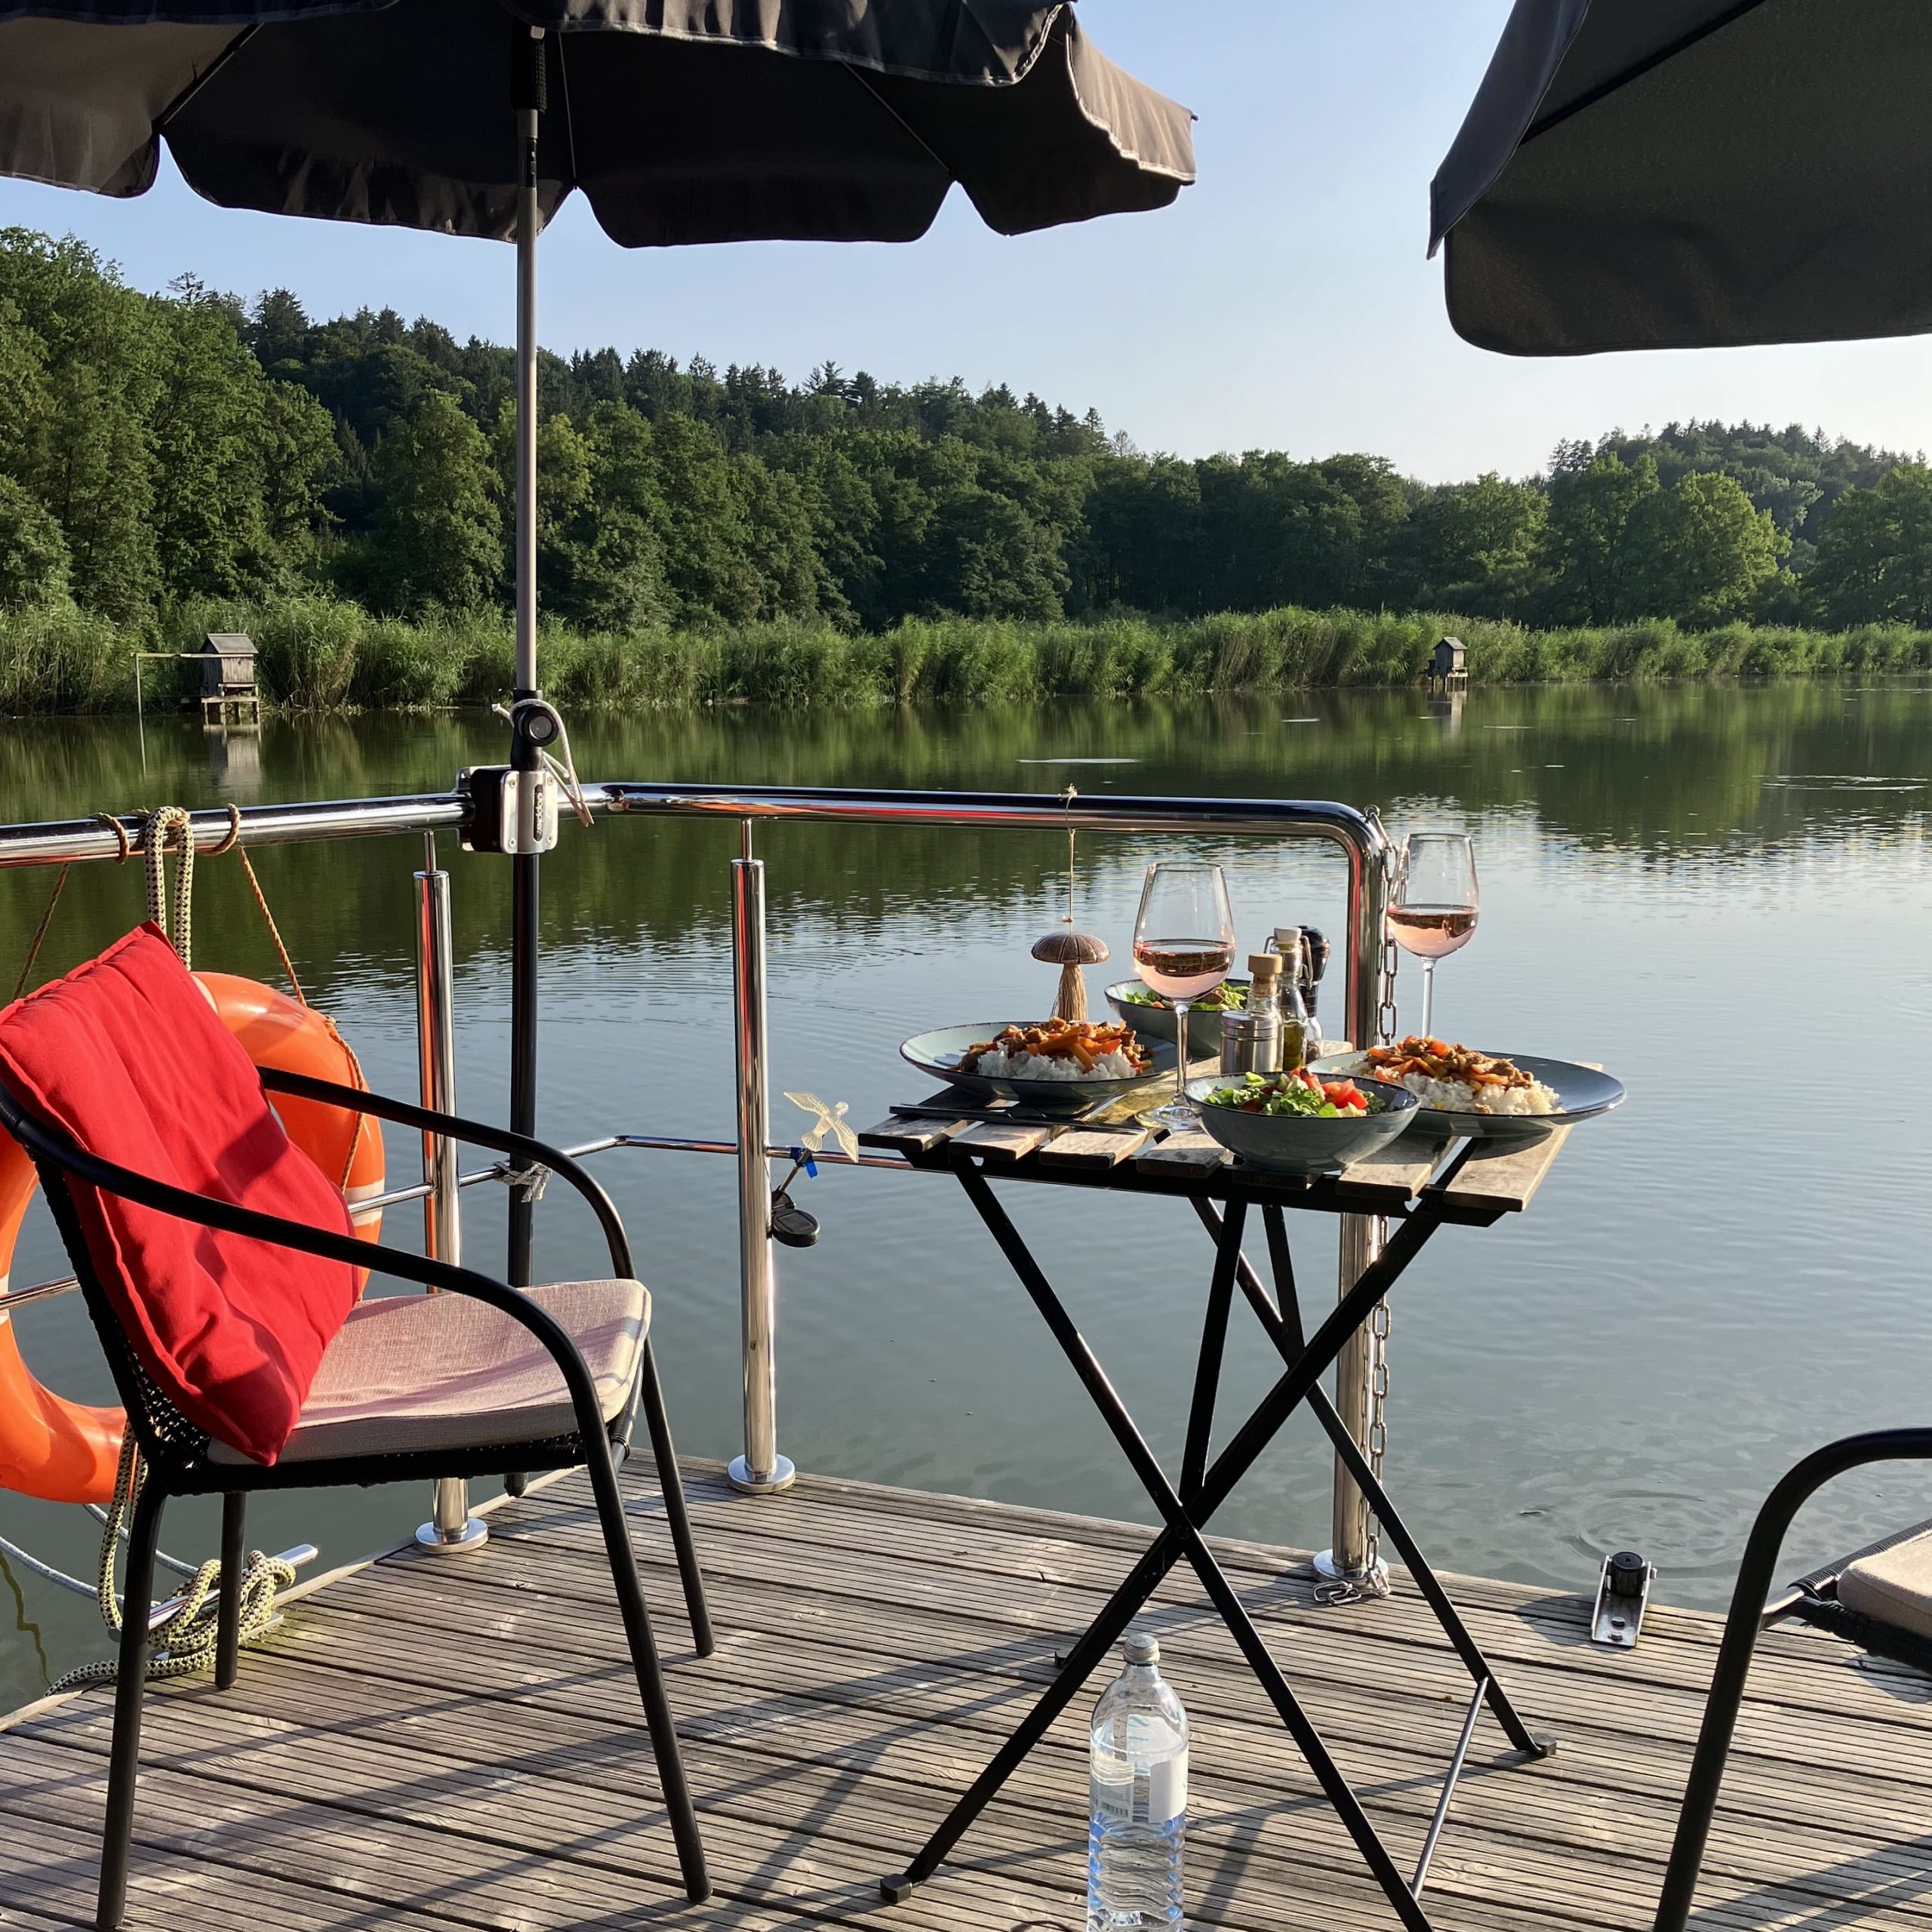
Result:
[
  {"x": 451, "y": 1525},
  {"x": 1351, "y": 1556},
  {"x": 761, "y": 1470}
]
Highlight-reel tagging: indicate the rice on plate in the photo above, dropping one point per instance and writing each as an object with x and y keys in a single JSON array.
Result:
[
  {"x": 1023, "y": 1066},
  {"x": 1058, "y": 1050},
  {"x": 1459, "y": 1080}
]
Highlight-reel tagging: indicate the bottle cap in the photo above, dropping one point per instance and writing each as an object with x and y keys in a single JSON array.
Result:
[
  {"x": 1141, "y": 1648},
  {"x": 1264, "y": 965}
]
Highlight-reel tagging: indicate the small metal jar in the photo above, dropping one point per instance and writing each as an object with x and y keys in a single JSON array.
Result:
[{"x": 1250, "y": 1043}]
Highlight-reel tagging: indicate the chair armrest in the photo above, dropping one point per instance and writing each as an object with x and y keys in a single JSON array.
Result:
[
  {"x": 206, "y": 1211},
  {"x": 1741, "y": 1630},
  {"x": 406, "y": 1113}
]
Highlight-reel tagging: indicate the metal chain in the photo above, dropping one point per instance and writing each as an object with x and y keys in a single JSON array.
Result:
[
  {"x": 1376, "y": 1445},
  {"x": 1388, "y": 1024},
  {"x": 1387, "y": 1021}
]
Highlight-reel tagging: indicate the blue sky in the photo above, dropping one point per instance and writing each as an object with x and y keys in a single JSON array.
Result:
[{"x": 1285, "y": 302}]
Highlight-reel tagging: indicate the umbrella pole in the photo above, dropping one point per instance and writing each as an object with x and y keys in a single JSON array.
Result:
[{"x": 524, "y": 934}]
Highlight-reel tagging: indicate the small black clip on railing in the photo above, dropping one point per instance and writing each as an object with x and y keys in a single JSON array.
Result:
[{"x": 792, "y": 1226}]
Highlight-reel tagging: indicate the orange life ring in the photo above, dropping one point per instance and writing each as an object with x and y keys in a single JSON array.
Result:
[
  {"x": 277, "y": 1032},
  {"x": 67, "y": 1452}
]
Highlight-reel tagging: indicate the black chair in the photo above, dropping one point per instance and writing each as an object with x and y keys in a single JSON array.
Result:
[
  {"x": 1751, "y": 1610},
  {"x": 506, "y": 1419}
]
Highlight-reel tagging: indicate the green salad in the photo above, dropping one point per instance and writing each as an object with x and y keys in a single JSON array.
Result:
[
  {"x": 1226, "y": 997},
  {"x": 1298, "y": 1095}
]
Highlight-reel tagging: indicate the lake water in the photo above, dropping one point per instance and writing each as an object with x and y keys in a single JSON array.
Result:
[{"x": 1719, "y": 893}]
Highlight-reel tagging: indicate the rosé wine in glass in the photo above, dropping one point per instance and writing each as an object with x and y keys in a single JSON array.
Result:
[
  {"x": 1432, "y": 910},
  {"x": 1183, "y": 946}
]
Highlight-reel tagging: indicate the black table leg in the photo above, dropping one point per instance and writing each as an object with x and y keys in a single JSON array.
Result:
[
  {"x": 1182, "y": 1535},
  {"x": 1213, "y": 1340},
  {"x": 1283, "y": 1326}
]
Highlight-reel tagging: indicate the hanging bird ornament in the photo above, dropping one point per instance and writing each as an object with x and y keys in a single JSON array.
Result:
[
  {"x": 1069, "y": 949},
  {"x": 830, "y": 1120}
]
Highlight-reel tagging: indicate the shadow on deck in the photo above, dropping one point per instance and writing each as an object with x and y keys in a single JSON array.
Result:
[{"x": 447, "y": 1742}]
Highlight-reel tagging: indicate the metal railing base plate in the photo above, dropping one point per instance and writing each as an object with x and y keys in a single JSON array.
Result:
[
  {"x": 741, "y": 1476},
  {"x": 473, "y": 1535},
  {"x": 1349, "y": 1585}
]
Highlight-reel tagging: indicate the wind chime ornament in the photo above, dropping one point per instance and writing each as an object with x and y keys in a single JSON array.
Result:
[{"x": 1070, "y": 950}]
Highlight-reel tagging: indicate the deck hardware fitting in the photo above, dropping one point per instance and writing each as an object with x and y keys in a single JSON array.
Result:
[{"x": 1623, "y": 1593}]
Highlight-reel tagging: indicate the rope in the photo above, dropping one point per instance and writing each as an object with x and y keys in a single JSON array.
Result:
[
  {"x": 40, "y": 931},
  {"x": 158, "y": 827},
  {"x": 120, "y": 832},
  {"x": 234, "y": 839},
  {"x": 565, "y": 773},
  {"x": 161, "y": 1556},
  {"x": 185, "y": 1640}
]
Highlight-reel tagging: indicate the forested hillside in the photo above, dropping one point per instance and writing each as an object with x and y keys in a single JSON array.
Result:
[{"x": 155, "y": 451}]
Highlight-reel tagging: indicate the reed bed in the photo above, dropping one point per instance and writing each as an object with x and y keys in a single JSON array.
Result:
[{"x": 322, "y": 654}]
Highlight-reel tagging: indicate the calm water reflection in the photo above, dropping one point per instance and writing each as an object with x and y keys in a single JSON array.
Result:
[{"x": 1719, "y": 893}]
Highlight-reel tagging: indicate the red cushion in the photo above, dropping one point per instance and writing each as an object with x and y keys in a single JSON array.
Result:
[{"x": 127, "y": 1057}]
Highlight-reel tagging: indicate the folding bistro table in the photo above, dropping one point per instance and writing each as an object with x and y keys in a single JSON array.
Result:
[{"x": 1417, "y": 1187}]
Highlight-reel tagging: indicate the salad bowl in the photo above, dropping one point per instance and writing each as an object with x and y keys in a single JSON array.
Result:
[
  {"x": 1153, "y": 1018},
  {"x": 1303, "y": 1144}
]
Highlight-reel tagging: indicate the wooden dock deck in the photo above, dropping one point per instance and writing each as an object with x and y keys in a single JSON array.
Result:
[{"x": 451, "y": 1741}]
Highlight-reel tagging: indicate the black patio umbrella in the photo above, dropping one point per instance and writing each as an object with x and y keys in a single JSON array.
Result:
[
  {"x": 1682, "y": 173},
  {"x": 680, "y": 121}
]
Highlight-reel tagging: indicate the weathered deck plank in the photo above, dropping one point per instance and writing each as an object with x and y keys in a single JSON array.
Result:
[{"x": 456, "y": 1742}]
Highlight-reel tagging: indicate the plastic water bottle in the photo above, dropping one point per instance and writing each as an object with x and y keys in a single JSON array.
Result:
[{"x": 1138, "y": 1828}]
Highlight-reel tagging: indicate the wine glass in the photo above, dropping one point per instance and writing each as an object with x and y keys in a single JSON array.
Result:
[
  {"x": 1183, "y": 946},
  {"x": 1433, "y": 912}
]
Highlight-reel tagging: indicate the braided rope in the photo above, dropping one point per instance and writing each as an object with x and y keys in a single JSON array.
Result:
[
  {"x": 160, "y": 825},
  {"x": 186, "y": 1640}
]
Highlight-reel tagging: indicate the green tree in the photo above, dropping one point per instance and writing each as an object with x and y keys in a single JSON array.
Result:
[
  {"x": 612, "y": 566},
  {"x": 990, "y": 559},
  {"x": 1476, "y": 547},
  {"x": 778, "y": 541},
  {"x": 33, "y": 554},
  {"x": 1874, "y": 564},
  {"x": 1595, "y": 576},
  {"x": 1703, "y": 552},
  {"x": 438, "y": 542},
  {"x": 89, "y": 456},
  {"x": 1143, "y": 533},
  {"x": 240, "y": 463},
  {"x": 708, "y": 571}
]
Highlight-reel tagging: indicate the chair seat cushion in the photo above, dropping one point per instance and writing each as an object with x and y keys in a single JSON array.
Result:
[
  {"x": 126, "y": 1057},
  {"x": 414, "y": 1373},
  {"x": 1893, "y": 1586}
]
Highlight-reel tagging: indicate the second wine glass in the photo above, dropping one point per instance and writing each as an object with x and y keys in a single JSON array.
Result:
[
  {"x": 1183, "y": 946},
  {"x": 1433, "y": 911}
]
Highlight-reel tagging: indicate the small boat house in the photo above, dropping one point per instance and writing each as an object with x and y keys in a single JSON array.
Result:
[
  {"x": 1448, "y": 669},
  {"x": 229, "y": 695}
]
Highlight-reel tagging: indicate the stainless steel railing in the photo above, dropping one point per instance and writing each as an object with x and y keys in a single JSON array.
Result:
[
  {"x": 1358, "y": 836},
  {"x": 451, "y": 1526},
  {"x": 1351, "y": 1555}
]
